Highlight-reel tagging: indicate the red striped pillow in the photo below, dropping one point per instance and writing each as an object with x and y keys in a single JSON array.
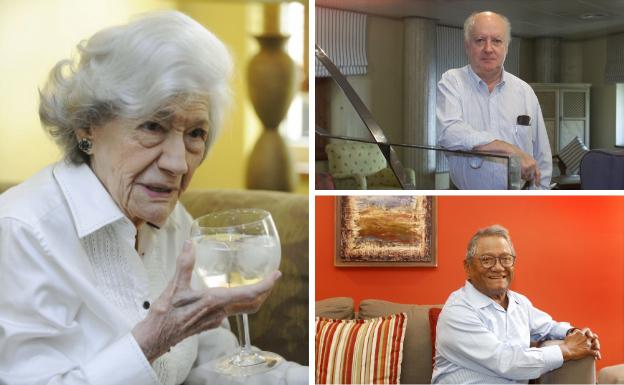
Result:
[{"x": 359, "y": 351}]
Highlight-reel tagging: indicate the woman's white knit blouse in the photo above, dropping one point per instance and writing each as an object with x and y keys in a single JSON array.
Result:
[{"x": 128, "y": 281}]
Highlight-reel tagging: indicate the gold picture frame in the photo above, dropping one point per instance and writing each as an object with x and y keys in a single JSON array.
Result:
[{"x": 386, "y": 231}]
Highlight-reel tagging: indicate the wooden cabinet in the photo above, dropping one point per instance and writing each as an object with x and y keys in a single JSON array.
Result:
[{"x": 565, "y": 107}]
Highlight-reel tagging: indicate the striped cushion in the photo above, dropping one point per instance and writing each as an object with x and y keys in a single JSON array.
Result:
[
  {"x": 360, "y": 351},
  {"x": 572, "y": 154}
]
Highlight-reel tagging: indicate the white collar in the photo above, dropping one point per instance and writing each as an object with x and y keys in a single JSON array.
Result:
[
  {"x": 473, "y": 75},
  {"x": 91, "y": 206},
  {"x": 480, "y": 300}
]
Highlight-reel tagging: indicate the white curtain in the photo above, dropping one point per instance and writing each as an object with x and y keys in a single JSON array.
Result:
[{"x": 342, "y": 35}]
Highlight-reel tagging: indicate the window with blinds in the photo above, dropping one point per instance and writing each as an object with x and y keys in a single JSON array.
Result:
[{"x": 342, "y": 35}]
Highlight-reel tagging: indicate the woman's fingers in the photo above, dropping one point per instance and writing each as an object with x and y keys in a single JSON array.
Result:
[
  {"x": 248, "y": 299},
  {"x": 193, "y": 311},
  {"x": 249, "y": 292},
  {"x": 201, "y": 315},
  {"x": 180, "y": 311},
  {"x": 210, "y": 320},
  {"x": 185, "y": 297},
  {"x": 179, "y": 293},
  {"x": 184, "y": 266}
]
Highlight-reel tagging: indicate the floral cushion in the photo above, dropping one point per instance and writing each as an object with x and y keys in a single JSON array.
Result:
[{"x": 346, "y": 159}]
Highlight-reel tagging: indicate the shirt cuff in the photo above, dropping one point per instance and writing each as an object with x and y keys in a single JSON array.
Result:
[
  {"x": 559, "y": 330},
  {"x": 553, "y": 357},
  {"x": 122, "y": 362}
]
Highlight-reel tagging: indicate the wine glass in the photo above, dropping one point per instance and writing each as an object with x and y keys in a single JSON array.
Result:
[{"x": 235, "y": 248}]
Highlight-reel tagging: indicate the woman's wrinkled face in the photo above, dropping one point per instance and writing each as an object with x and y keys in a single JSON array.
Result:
[{"x": 146, "y": 164}]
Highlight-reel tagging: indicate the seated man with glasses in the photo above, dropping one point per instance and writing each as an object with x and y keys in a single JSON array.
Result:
[{"x": 485, "y": 330}]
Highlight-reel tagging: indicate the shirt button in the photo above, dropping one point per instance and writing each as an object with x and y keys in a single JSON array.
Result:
[{"x": 146, "y": 305}]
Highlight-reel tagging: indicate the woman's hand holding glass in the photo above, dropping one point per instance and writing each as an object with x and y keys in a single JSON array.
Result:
[
  {"x": 237, "y": 248},
  {"x": 181, "y": 311}
]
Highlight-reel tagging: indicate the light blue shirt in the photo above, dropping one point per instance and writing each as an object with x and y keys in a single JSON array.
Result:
[
  {"x": 479, "y": 342},
  {"x": 468, "y": 115}
]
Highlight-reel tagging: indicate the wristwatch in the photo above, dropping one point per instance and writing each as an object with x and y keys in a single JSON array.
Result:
[{"x": 571, "y": 330}]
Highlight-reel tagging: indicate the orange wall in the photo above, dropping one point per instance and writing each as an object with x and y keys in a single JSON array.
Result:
[{"x": 570, "y": 259}]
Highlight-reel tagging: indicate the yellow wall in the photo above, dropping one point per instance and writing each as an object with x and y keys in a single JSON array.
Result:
[
  {"x": 225, "y": 165},
  {"x": 34, "y": 35}
]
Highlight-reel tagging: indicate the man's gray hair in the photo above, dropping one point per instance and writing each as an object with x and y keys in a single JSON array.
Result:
[
  {"x": 132, "y": 71},
  {"x": 470, "y": 21},
  {"x": 490, "y": 231}
]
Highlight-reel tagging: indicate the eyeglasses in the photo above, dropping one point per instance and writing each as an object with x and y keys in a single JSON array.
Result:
[{"x": 506, "y": 260}]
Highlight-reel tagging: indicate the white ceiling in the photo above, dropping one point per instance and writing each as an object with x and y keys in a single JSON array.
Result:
[{"x": 529, "y": 18}]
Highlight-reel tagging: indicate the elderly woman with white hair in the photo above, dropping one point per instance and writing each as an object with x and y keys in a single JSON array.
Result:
[{"x": 95, "y": 262}]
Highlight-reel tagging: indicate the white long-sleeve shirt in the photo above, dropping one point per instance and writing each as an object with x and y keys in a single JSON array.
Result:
[
  {"x": 468, "y": 115},
  {"x": 72, "y": 286},
  {"x": 479, "y": 342}
]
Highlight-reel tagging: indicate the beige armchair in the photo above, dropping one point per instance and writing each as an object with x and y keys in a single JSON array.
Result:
[
  {"x": 5, "y": 186},
  {"x": 361, "y": 166}
]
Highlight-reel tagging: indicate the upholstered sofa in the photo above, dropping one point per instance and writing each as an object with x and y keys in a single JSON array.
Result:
[
  {"x": 416, "y": 365},
  {"x": 603, "y": 169},
  {"x": 287, "y": 306},
  {"x": 5, "y": 186},
  {"x": 611, "y": 375}
]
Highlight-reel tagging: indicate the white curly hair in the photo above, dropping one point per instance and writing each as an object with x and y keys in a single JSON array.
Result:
[{"x": 133, "y": 71}]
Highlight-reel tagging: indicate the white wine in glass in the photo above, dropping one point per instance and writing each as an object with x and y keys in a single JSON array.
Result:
[{"x": 235, "y": 248}]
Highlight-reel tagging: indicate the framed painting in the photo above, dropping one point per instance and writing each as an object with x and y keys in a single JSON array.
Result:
[{"x": 386, "y": 231}]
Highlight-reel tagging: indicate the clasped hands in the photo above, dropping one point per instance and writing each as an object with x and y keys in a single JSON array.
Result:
[{"x": 580, "y": 343}]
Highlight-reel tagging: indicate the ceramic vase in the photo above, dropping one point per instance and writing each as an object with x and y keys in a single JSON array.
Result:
[{"x": 271, "y": 77}]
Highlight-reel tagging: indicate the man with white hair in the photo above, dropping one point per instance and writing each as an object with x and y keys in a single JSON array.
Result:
[
  {"x": 482, "y": 107},
  {"x": 486, "y": 332}
]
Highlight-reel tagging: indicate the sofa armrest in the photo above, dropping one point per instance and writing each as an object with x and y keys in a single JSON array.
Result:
[
  {"x": 611, "y": 375},
  {"x": 581, "y": 371}
]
